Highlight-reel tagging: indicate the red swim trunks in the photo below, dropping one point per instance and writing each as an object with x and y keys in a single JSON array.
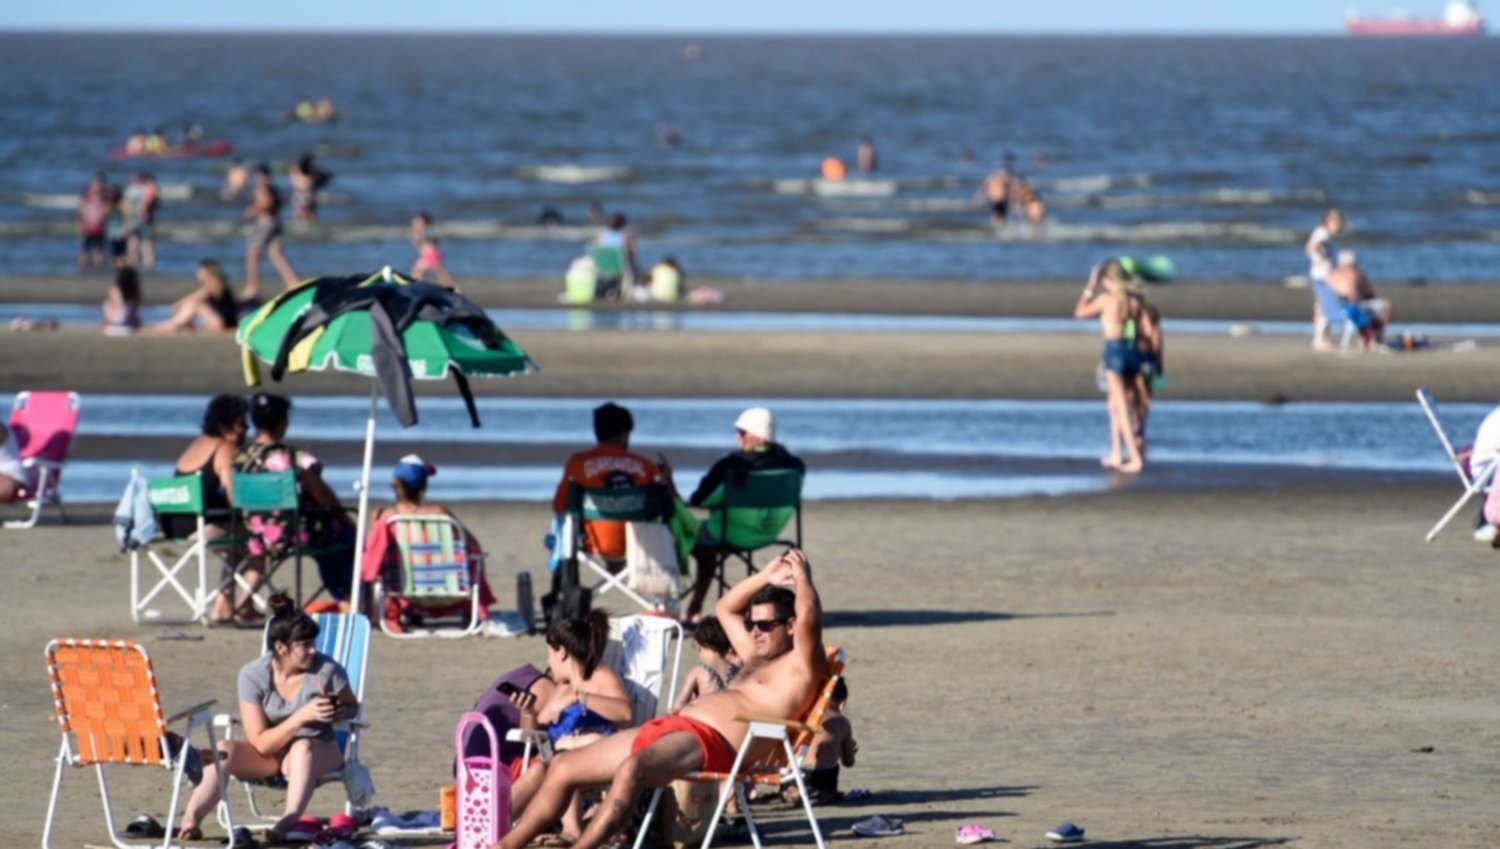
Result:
[{"x": 718, "y": 755}]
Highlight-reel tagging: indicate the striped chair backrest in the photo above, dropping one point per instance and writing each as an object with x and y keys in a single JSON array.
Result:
[{"x": 434, "y": 556}]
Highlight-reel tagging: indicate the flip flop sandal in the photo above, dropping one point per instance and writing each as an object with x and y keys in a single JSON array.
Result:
[
  {"x": 968, "y": 835},
  {"x": 1067, "y": 831},
  {"x": 878, "y": 826},
  {"x": 241, "y": 838},
  {"x": 145, "y": 826},
  {"x": 190, "y": 834}
]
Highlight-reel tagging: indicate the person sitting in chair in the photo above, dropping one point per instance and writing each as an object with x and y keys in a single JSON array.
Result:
[
  {"x": 774, "y": 620},
  {"x": 289, "y": 698},
  {"x": 409, "y": 482},
  {"x": 755, "y": 433},
  {"x": 609, "y": 464}
]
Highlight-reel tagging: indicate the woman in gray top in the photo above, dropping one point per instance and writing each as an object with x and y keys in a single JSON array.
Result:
[{"x": 289, "y": 698}]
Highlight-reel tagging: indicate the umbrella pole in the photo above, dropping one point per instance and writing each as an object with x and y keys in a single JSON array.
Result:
[{"x": 364, "y": 500}]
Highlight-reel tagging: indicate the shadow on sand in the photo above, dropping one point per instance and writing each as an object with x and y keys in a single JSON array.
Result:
[
  {"x": 1193, "y": 841},
  {"x": 912, "y": 618}
]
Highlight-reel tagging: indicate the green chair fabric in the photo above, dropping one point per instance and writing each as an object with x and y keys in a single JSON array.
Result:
[
  {"x": 258, "y": 491},
  {"x": 176, "y": 494},
  {"x": 751, "y": 513}
]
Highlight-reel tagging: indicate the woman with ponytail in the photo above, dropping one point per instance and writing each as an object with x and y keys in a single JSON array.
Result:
[
  {"x": 587, "y": 703},
  {"x": 289, "y": 699}
]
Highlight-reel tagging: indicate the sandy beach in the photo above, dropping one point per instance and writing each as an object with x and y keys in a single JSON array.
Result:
[{"x": 1171, "y": 669}]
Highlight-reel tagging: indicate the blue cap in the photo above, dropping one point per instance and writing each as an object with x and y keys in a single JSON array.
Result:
[{"x": 413, "y": 471}]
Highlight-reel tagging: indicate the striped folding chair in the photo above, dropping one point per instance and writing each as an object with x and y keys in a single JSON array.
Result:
[
  {"x": 43, "y": 424},
  {"x": 436, "y": 576},
  {"x": 778, "y": 762},
  {"x": 107, "y": 707},
  {"x": 345, "y": 637}
]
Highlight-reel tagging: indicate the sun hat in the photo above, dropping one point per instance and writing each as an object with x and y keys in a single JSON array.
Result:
[
  {"x": 413, "y": 471},
  {"x": 757, "y": 421}
]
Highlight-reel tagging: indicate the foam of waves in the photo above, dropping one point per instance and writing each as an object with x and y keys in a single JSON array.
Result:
[
  {"x": 573, "y": 173},
  {"x": 835, "y": 188},
  {"x": 1482, "y": 197},
  {"x": 1217, "y": 197},
  {"x": 1092, "y": 184}
]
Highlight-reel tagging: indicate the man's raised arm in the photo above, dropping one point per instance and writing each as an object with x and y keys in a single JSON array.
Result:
[
  {"x": 807, "y": 639},
  {"x": 731, "y": 608}
]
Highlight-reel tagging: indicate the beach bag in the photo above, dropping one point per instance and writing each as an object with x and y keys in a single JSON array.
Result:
[
  {"x": 692, "y": 804},
  {"x": 578, "y": 285},
  {"x": 651, "y": 560},
  {"x": 358, "y": 784}
]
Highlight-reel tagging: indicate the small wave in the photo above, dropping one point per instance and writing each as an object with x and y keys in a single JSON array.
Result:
[
  {"x": 867, "y": 225},
  {"x": 38, "y": 200},
  {"x": 1482, "y": 197},
  {"x": 1217, "y": 197},
  {"x": 835, "y": 188},
  {"x": 574, "y": 173},
  {"x": 1099, "y": 183}
]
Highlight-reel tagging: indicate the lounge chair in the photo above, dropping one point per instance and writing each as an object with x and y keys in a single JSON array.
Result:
[
  {"x": 638, "y": 650},
  {"x": 44, "y": 424},
  {"x": 621, "y": 504},
  {"x": 345, "y": 637},
  {"x": 109, "y": 712},
  {"x": 611, "y": 271},
  {"x": 1473, "y": 485},
  {"x": 433, "y": 571},
  {"x": 794, "y": 735},
  {"x": 182, "y": 495},
  {"x": 750, "y": 512}
]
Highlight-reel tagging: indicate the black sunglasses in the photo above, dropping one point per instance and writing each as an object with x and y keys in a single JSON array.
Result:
[{"x": 765, "y": 626}]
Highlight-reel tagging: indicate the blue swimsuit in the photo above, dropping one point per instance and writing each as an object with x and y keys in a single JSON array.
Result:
[{"x": 577, "y": 719}]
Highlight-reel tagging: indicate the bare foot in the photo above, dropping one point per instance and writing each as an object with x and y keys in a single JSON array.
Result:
[
  {"x": 1110, "y": 462},
  {"x": 1133, "y": 467}
]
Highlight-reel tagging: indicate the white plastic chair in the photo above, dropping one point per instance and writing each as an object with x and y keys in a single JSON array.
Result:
[{"x": 1472, "y": 485}]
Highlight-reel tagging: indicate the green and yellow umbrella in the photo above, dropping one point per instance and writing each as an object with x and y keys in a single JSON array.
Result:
[{"x": 384, "y": 326}]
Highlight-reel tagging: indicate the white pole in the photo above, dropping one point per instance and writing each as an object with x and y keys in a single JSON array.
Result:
[{"x": 364, "y": 499}]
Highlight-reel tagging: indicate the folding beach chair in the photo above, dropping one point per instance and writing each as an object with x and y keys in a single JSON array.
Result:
[
  {"x": 345, "y": 637},
  {"x": 621, "y": 504},
  {"x": 1335, "y": 314},
  {"x": 108, "y": 710},
  {"x": 638, "y": 650},
  {"x": 179, "y": 495},
  {"x": 266, "y": 493},
  {"x": 748, "y": 512},
  {"x": 1473, "y": 485},
  {"x": 794, "y": 735},
  {"x": 433, "y": 571},
  {"x": 44, "y": 423}
]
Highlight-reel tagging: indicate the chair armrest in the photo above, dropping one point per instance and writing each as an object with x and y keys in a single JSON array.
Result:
[
  {"x": 776, "y": 720},
  {"x": 201, "y": 707},
  {"x": 523, "y": 735},
  {"x": 38, "y": 461}
]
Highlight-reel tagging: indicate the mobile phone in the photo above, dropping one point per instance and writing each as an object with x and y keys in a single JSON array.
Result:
[{"x": 509, "y": 689}]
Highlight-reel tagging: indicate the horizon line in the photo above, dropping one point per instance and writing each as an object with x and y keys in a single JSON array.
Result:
[{"x": 88, "y": 29}]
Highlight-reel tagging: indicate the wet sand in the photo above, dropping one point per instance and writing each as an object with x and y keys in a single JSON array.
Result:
[
  {"x": 773, "y": 365},
  {"x": 1227, "y": 668},
  {"x": 1223, "y": 299}
]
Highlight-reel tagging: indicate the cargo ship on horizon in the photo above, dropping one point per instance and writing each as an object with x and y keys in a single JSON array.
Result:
[{"x": 1461, "y": 17}]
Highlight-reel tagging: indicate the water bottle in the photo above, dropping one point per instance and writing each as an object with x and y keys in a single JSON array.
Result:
[{"x": 524, "y": 603}]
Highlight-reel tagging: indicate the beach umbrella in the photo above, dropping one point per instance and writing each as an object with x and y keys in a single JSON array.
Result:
[{"x": 384, "y": 326}]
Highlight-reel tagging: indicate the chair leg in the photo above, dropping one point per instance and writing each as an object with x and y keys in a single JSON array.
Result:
[
  {"x": 226, "y": 816},
  {"x": 1452, "y": 511},
  {"x": 109, "y": 816},
  {"x": 640, "y": 836},
  {"x": 734, "y": 771},
  {"x": 744, "y": 800},
  {"x": 62, "y": 762},
  {"x": 812, "y": 818}
]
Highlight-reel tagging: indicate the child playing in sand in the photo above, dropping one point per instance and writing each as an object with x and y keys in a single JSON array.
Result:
[
  {"x": 717, "y": 663},
  {"x": 833, "y": 746},
  {"x": 429, "y": 256}
]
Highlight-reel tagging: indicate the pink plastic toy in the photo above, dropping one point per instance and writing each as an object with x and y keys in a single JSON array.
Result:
[{"x": 483, "y": 800}]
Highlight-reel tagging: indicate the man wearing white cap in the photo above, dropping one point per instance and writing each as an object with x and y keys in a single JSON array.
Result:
[{"x": 755, "y": 431}]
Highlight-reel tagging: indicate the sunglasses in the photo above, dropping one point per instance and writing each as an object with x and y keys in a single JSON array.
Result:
[{"x": 765, "y": 626}]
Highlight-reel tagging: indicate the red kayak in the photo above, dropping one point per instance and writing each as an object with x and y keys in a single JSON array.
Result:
[{"x": 213, "y": 148}]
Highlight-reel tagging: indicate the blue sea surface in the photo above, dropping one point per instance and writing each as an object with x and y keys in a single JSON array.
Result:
[{"x": 1220, "y": 152}]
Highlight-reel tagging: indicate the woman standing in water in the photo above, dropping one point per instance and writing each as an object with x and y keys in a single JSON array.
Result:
[
  {"x": 264, "y": 213},
  {"x": 1106, "y": 296}
]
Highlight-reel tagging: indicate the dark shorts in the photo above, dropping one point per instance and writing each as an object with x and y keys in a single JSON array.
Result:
[
  {"x": 1000, "y": 208},
  {"x": 263, "y": 232},
  {"x": 92, "y": 242},
  {"x": 117, "y": 248},
  {"x": 1121, "y": 358}
]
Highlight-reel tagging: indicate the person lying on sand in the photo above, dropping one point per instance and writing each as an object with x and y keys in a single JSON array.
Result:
[{"x": 781, "y": 640}]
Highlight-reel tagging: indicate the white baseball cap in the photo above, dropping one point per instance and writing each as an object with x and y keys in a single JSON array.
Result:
[{"x": 757, "y": 421}]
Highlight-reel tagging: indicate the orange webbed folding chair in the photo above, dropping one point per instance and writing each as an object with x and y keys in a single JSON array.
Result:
[
  {"x": 104, "y": 694},
  {"x": 794, "y": 735},
  {"x": 43, "y": 424}
]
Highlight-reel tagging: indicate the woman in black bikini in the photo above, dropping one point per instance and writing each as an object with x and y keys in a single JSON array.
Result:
[
  {"x": 211, "y": 307},
  {"x": 212, "y": 454}
]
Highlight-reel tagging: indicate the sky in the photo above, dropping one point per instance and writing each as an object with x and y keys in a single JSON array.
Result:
[{"x": 706, "y": 16}]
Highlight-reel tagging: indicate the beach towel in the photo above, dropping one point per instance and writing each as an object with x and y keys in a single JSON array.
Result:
[
  {"x": 651, "y": 563},
  {"x": 135, "y": 521}
]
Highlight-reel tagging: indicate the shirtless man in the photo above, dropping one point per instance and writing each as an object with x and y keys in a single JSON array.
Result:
[
  {"x": 782, "y": 644},
  {"x": 996, "y": 191}
]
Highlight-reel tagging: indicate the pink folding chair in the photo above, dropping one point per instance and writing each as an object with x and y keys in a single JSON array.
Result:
[{"x": 44, "y": 424}]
